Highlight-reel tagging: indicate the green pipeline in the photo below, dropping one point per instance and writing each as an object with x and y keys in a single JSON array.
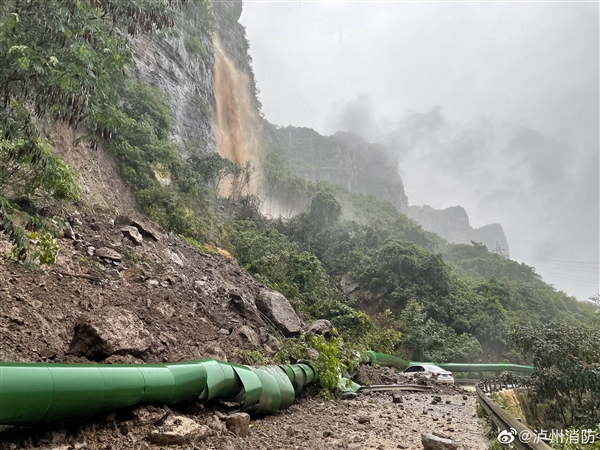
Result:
[
  {"x": 33, "y": 392},
  {"x": 459, "y": 367},
  {"x": 382, "y": 359}
]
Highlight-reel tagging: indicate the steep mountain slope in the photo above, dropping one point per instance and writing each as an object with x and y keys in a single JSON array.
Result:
[{"x": 346, "y": 159}]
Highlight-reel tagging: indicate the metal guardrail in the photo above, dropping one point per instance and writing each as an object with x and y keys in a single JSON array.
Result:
[
  {"x": 512, "y": 428},
  {"x": 394, "y": 387},
  {"x": 466, "y": 381}
]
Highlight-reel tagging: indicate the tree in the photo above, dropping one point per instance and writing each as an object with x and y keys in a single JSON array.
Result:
[
  {"x": 325, "y": 208},
  {"x": 566, "y": 375}
]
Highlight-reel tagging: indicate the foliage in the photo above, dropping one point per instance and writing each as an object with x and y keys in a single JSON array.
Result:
[
  {"x": 429, "y": 340},
  {"x": 566, "y": 375},
  {"x": 59, "y": 60},
  {"x": 252, "y": 358},
  {"x": 280, "y": 264},
  {"x": 578, "y": 438},
  {"x": 333, "y": 360},
  {"x": 45, "y": 249}
]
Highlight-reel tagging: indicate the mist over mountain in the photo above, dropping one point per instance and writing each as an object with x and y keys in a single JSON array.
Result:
[{"x": 542, "y": 190}]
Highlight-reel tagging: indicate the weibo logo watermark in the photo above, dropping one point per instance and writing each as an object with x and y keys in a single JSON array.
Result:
[{"x": 507, "y": 436}]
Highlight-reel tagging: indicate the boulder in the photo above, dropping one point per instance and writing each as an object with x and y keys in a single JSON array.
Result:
[
  {"x": 147, "y": 229},
  {"x": 109, "y": 331},
  {"x": 178, "y": 430},
  {"x": 173, "y": 257},
  {"x": 245, "y": 335},
  {"x": 121, "y": 221},
  {"x": 320, "y": 327},
  {"x": 278, "y": 309},
  {"x": 108, "y": 253},
  {"x": 238, "y": 424},
  {"x": 113, "y": 273},
  {"x": 68, "y": 231},
  {"x": 143, "y": 227},
  {"x": 273, "y": 342},
  {"x": 133, "y": 234},
  {"x": 432, "y": 442}
]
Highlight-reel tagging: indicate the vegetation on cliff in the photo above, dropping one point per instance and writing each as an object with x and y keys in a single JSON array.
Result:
[{"x": 61, "y": 60}]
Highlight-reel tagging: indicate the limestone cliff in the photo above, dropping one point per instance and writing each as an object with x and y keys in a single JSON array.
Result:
[
  {"x": 453, "y": 225},
  {"x": 183, "y": 64},
  {"x": 343, "y": 158}
]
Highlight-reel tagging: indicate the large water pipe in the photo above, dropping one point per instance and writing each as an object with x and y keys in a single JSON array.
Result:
[{"x": 35, "y": 392}]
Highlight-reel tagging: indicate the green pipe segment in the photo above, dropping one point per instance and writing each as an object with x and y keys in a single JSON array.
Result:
[
  {"x": 460, "y": 367},
  {"x": 34, "y": 392},
  {"x": 383, "y": 359}
]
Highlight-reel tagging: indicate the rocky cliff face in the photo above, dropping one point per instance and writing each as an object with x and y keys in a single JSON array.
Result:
[
  {"x": 453, "y": 225},
  {"x": 182, "y": 64},
  {"x": 343, "y": 158}
]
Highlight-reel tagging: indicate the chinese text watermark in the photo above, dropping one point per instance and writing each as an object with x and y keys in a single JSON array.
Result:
[{"x": 553, "y": 436}]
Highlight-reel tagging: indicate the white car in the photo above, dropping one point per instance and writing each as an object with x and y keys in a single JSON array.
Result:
[{"x": 430, "y": 371}]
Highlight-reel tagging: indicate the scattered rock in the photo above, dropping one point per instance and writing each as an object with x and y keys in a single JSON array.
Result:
[
  {"x": 108, "y": 253},
  {"x": 433, "y": 442},
  {"x": 363, "y": 420},
  {"x": 68, "y": 231},
  {"x": 238, "y": 424},
  {"x": 173, "y": 257},
  {"x": 327, "y": 434},
  {"x": 465, "y": 397},
  {"x": 215, "y": 424},
  {"x": 278, "y": 309},
  {"x": 349, "y": 396},
  {"x": 320, "y": 327},
  {"x": 133, "y": 234},
  {"x": 113, "y": 273},
  {"x": 178, "y": 430},
  {"x": 441, "y": 435},
  {"x": 134, "y": 273},
  {"x": 396, "y": 397},
  {"x": 91, "y": 250},
  {"x": 109, "y": 331},
  {"x": 245, "y": 335}
]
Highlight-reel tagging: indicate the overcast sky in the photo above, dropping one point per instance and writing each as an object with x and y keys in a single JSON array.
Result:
[{"x": 491, "y": 106}]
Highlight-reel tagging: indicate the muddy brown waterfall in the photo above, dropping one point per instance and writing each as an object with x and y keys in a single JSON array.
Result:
[{"x": 236, "y": 121}]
